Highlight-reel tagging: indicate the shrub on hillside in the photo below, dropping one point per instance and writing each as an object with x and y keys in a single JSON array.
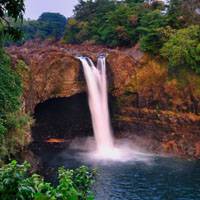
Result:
[
  {"x": 183, "y": 49},
  {"x": 14, "y": 123},
  {"x": 17, "y": 184}
]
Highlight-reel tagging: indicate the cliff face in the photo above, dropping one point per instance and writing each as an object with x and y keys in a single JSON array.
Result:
[
  {"x": 161, "y": 131},
  {"x": 53, "y": 70},
  {"x": 150, "y": 101},
  {"x": 160, "y": 89}
]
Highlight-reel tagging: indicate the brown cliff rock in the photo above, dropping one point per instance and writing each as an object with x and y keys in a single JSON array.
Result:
[
  {"x": 55, "y": 72},
  {"x": 156, "y": 109}
]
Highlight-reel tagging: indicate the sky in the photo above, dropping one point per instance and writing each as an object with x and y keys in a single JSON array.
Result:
[{"x": 34, "y": 8}]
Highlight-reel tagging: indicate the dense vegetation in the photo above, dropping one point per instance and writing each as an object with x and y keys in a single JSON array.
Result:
[
  {"x": 14, "y": 122},
  {"x": 16, "y": 183},
  {"x": 14, "y": 10},
  {"x": 183, "y": 48},
  {"x": 169, "y": 30},
  {"x": 47, "y": 26}
]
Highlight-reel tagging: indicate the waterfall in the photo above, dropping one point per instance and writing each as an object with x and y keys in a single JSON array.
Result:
[
  {"x": 96, "y": 80},
  {"x": 122, "y": 150}
]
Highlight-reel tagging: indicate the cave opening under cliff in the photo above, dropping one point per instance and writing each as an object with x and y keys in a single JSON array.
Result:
[{"x": 63, "y": 118}]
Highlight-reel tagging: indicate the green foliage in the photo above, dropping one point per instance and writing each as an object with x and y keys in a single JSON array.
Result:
[
  {"x": 17, "y": 184},
  {"x": 174, "y": 13},
  {"x": 183, "y": 49},
  {"x": 10, "y": 87},
  {"x": 118, "y": 29},
  {"x": 124, "y": 23},
  {"x": 88, "y": 19},
  {"x": 89, "y": 10},
  {"x": 149, "y": 29},
  {"x": 107, "y": 22},
  {"x": 2, "y": 127},
  {"x": 49, "y": 25},
  {"x": 116, "y": 23},
  {"x": 73, "y": 32},
  {"x": 14, "y": 123},
  {"x": 13, "y": 9}
]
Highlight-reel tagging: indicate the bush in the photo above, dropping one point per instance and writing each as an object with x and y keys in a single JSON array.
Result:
[
  {"x": 10, "y": 87},
  {"x": 183, "y": 49},
  {"x": 118, "y": 29},
  {"x": 15, "y": 135},
  {"x": 14, "y": 123},
  {"x": 17, "y": 184},
  {"x": 150, "y": 36}
]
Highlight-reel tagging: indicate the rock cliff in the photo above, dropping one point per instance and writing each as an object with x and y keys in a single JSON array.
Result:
[
  {"x": 152, "y": 105},
  {"x": 54, "y": 71}
]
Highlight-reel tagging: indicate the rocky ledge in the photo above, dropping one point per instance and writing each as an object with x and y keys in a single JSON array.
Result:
[
  {"x": 164, "y": 132},
  {"x": 53, "y": 70}
]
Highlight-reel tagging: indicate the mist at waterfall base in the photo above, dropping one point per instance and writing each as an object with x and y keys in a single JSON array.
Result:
[{"x": 103, "y": 146}]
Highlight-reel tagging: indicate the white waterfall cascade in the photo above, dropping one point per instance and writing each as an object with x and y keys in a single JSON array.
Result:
[
  {"x": 96, "y": 80},
  {"x": 98, "y": 102}
]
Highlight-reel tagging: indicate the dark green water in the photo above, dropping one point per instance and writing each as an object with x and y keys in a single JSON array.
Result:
[
  {"x": 156, "y": 179},
  {"x": 166, "y": 179}
]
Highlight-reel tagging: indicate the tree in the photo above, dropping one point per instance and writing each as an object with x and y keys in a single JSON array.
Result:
[
  {"x": 118, "y": 29},
  {"x": 114, "y": 23},
  {"x": 10, "y": 87},
  {"x": 182, "y": 13},
  {"x": 89, "y": 16},
  {"x": 52, "y": 24},
  {"x": 13, "y": 121},
  {"x": 183, "y": 49},
  {"x": 49, "y": 25},
  {"x": 149, "y": 29},
  {"x": 88, "y": 10},
  {"x": 13, "y": 9}
]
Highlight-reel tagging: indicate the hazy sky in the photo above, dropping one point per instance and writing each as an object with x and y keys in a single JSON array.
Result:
[{"x": 34, "y": 8}]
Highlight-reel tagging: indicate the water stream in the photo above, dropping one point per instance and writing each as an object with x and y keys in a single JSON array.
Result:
[
  {"x": 98, "y": 102},
  {"x": 106, "y": 147}
]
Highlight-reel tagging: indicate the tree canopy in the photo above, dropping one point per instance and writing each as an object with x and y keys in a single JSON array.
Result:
[
  {"x": 183, "y": 48},
  {"x": 112, "y": 22},
  {"x": 48, "y": 25},
  {"x": 14, "y": 10},
  {"x": 153, "y": 24},
  {"x": 12, "y": 119}
]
